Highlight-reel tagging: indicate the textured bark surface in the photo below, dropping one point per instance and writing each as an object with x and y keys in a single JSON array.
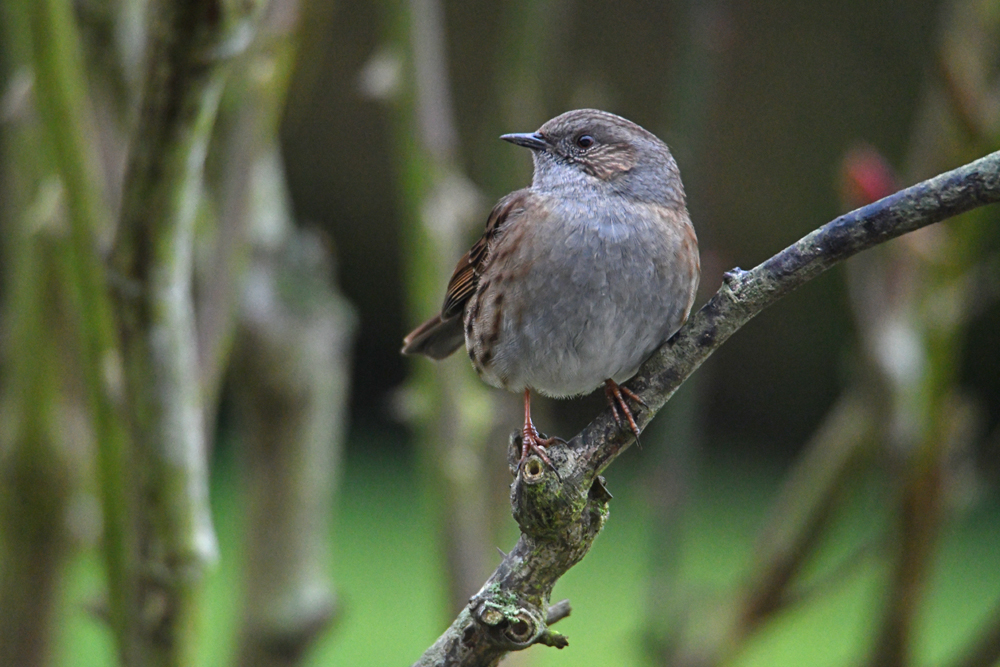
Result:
[{"x": 189, "y": 50}]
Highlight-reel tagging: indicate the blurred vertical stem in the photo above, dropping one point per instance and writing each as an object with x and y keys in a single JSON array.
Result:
[
  {"x": 245, "y": 136},
  {"x": 63, "y": 108},
  {"x": 188, "y": 49},
  {"x": 290, "y": 372},
  {"x": 926, "y": 276},
  {"x": 922, "y": 423},
  {"x": 452, "y": 410},
  {"x": 290, "y": 365},
  {"x": 34, "y": 472}
]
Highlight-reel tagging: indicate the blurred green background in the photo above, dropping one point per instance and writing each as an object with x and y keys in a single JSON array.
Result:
[
  {"x": 760, "y": 103},
  {"x": 391, "y": 582}
]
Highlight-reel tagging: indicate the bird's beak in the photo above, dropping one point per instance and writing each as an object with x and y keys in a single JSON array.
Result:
[{"x": 532, "y": 140}]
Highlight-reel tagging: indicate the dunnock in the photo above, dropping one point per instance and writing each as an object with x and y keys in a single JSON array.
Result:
[{"x": 579, "y": 278}]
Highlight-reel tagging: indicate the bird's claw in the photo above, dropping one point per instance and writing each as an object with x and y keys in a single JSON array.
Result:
[{"x": 616, "y": 395}]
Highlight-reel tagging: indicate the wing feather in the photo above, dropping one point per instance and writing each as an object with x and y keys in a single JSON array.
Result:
[
  {"x": 441, "y": 335},
  {"x": 466, "y": 276}
]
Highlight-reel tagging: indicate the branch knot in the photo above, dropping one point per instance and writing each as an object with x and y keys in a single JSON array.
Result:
[{"x": 512, "y": 626}]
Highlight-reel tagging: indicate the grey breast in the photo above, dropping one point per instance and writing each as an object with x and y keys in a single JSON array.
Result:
[{"x": 598, "y": 297}]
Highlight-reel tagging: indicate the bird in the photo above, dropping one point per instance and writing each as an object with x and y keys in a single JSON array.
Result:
[{"x": 579, "y": 277}]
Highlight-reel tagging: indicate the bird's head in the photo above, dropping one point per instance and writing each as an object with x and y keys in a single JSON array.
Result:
[{"x": 599, "y": 150}]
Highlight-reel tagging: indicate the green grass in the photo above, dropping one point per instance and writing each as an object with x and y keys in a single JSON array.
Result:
[{"x": 390, "y": 581}]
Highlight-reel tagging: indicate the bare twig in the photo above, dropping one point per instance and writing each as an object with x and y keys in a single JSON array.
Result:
[{"x": 560, "y": 515}]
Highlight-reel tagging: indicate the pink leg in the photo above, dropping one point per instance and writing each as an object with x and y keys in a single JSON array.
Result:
[{"x": 530, "y": 440}]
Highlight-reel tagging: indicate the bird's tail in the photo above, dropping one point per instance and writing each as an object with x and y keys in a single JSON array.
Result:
[{"x": 435, "y": 338}]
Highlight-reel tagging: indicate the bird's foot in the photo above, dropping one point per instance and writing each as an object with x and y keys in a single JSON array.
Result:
[
  {"x": 616, "y": 395},
  {"x": 532, "y": 442}
]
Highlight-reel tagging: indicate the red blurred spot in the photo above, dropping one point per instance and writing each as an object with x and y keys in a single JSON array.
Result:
[{"x": 865, "y": 177}]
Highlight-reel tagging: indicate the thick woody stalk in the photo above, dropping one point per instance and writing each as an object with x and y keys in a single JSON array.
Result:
[
  {"x": 560, "y": 515},
  {"x": 189, "y": 46},
  {"x": 290, "y": 376}
]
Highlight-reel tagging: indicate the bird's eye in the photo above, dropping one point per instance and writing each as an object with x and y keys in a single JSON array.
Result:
[{"x": 585, "y": 141}]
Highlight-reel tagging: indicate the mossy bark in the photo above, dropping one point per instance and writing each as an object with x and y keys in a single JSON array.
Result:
[{"x": 189, "y": 48}]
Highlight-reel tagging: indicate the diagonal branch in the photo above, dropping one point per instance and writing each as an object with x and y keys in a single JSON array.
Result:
[{"x": 560, "y": 515}]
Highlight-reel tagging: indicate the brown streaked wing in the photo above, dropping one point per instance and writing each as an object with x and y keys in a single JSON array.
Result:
[{"x": 466, "y": 276}]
